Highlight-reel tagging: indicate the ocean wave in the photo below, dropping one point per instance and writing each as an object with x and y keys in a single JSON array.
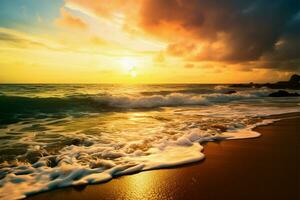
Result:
[
  {"x": 72, "y": 138},
  {"x": 186, "y": 91},
  {"x": 11, "y": 104},
  {"x": 94, "y": 149}
]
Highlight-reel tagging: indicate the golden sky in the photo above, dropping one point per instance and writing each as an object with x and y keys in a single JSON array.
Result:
[{"x": 148, "y": 41}]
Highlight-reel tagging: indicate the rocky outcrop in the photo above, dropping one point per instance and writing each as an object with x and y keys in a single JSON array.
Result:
[
  {"x": 282, "y": 93},
  {"x": 249, "y": 85},
  {"x": 293, "y": 83},
  {"x": 295, "y": 79},
  {"x": 230, "y": 92}
]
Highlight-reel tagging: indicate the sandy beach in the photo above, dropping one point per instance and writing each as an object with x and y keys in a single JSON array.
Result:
[{"x": 262, "y": 168}]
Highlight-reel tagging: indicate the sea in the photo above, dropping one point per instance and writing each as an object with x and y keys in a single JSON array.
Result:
[{"x": 58, "y": 135}]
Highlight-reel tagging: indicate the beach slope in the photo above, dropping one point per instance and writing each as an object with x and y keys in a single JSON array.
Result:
[{"x": 267, "y": 167}]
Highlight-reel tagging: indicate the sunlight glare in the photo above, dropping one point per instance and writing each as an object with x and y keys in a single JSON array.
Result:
[
  {"x": 129, "y": 66},
  {"x": 133, "y": 73}
]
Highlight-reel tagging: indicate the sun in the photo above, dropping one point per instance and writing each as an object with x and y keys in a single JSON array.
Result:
[
  {"x": 129, "y": 65},
  {"x": 133, "y": 73}
]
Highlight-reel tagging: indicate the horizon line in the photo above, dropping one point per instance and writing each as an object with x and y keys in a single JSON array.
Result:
[{"x": 164, "y": 83}]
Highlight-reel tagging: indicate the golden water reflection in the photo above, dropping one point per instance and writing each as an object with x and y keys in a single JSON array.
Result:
[{"x": 146, "y": 185}]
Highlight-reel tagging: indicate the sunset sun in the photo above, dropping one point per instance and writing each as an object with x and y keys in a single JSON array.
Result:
[{"x": 130, "y": 66}]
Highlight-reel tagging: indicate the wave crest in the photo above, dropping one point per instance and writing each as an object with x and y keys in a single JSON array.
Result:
[{"x": 13, "y": 103}]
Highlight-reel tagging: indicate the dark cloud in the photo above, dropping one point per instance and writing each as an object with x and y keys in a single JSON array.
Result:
[{"x": 233, "y": 31}]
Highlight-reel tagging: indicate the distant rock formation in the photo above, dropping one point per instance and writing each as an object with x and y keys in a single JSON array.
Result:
[
  {"x": 293, "y": 83},
  {"x": 295, "y": 79},
  {"x": 230, "y": 92},
  {"x": 282, "y": 93}
]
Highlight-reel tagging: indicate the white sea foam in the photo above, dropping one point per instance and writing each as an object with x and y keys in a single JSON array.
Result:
[
  {"x": 174, "y": 99},
  {"x": 97, "y": 147},
  {"x": 76, "y": 166}
]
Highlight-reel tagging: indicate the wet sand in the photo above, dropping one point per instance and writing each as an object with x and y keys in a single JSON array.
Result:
[{"x": 267, "y": 167}]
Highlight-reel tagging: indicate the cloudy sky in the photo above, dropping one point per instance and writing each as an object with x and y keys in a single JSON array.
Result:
[{"x": 148, "y": 41}]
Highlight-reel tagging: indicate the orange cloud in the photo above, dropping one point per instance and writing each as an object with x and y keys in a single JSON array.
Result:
[
  {"x": 98, "y": 41},
  {"x": 104, "y": 8},
  {"x": 68, "y": 20},
  {"x": 159, "y": 58},
  {"x": 181, "y": 48},
  {"x": 224, "y": 31},
  {"x": 189, "y": 65}
]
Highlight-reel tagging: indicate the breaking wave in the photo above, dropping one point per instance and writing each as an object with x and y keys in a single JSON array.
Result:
[{"x": 11, "y": 104}]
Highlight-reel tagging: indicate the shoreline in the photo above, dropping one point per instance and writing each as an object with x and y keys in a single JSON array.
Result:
[{"x": 225, "y": 166}]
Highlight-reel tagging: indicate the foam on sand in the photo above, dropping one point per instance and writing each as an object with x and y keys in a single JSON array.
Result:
[{"x": 24, "y": 179}]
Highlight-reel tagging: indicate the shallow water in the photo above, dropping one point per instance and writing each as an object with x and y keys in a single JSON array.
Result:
[{"x": 60, "y": 135}]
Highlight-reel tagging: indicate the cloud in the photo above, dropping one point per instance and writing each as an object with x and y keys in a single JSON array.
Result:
[
  {"x": 228, "y": 30},
  {"x": 104, "y": 8},
  {"x": 20, "y": 40},
  {"x": 248, "y": 33},
  {"x": 181, "y": 48},
  {"x": 68, "y": 20},
  {"x": 11, "y": 38},
  {"x": 159, "y": 58},
  {"x": 189, "y": 65}
]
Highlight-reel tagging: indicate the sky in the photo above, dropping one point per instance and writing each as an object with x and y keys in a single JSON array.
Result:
[{"x": 149, "y": 41}]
